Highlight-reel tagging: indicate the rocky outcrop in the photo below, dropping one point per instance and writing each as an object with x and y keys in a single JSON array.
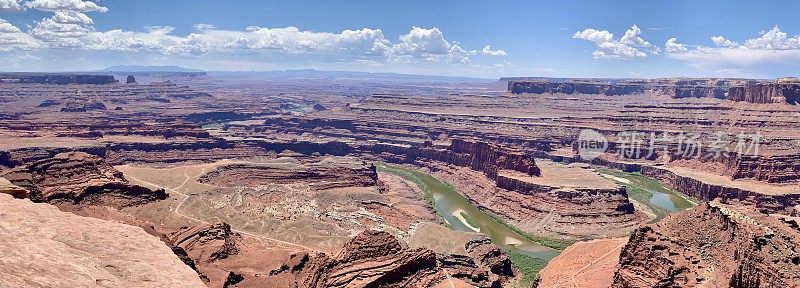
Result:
[
  {"x": 482, "y": 156},
  {"x": 586, "y": 264},
  {"x": 130, "y": 80},
  {"x": 712, "y": 245},
  {"x": 490, "y": 256},
  {"x": 59, "y": 79},
  {"x": 731, "y": 89},
  {"x": 78, "y": 177},
  {"x": 7, "y": 188},
  {"x": 594, "y": 88},
  {"x": 216, "y": 240},
  {"x": 772, "y": 168},
  {"x": 203, "y": 246},
  {"x": 41, "y": 246},
  {"x": 378, "y": 259},
  {"x": 766, "y": 93},
  {"x": 490, "y": 158},
  {"x": 783, "y": 203},
  {"x": 322, "y": 175}
]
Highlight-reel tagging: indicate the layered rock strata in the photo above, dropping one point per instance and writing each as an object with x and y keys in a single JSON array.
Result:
[
  {"x": 78, "y": 177},
  {"x": 730, "y": 89},
  {"x": 321, "y": 175},
  {"x": 773, "y": 202},
  {"x": 712, "y": 245},
  {"x": 7, "y": 188},
  {"x": 378, "y": 259},
  {"x": 202, "y": 248},
  {"x": 59, "y": 79}
]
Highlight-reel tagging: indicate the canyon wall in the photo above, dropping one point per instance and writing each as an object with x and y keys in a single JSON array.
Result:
[
  {"x": 730, "y": 89},
  {"x": 78, "y": 177},
  {"x": 322, "y": 175},
  {"x": 542, "y": 87},
  {"x": 712, "y": 245},
  {"x": 478, "y": 155},
  {"x": 698, "y": 189},
  {"x": 378, "y": 259},
  {"x": 772, "y": 169},
  {"x": 59, "y": 79}
]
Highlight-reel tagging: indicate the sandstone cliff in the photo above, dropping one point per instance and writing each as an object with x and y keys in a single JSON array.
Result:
[
  {"x": 41, "y": 246},
  {"x": 76, "y": 177},
  {"x": 322, "y": 174},
  {"x": 203, "y": 246},
  {"x": 712, "y": 245},
  {"x": 597, "y": 88},
  {"x": 783, "y": 203},
  {"x": 488, "y": 158},
  {"x": 54, "y": 78},
  {"x": 7, "y": 188},
  {"x": 730, "y": 89},
  {"x": 378, "y": 259}
]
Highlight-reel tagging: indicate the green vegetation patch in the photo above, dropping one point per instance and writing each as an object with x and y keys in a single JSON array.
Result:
[
  {"x": 557, "y": 244},
  {"x": 412, "y": 176},
  {"x": 527, "y": 266},
  {"x": 471, "y": 221}
]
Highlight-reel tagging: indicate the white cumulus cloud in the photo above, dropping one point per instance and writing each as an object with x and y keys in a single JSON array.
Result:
[
  {"x": 62, "y": 30},
  {"x": 673, "y": 46},
  {"x": 774, "y": 39},
  {"x": 487, "y": 50},
  {"x": 69, "y": 26},
  {"x": 72, "y": 17},
  {"x": 721, "y": 41},
  {"x": 773, "y": 46},
  {"x": 629, "y": 46},
  {"x": 420, "y": 40},
  {"x": 12, "y": 38},
  {"x": 60, "y": 5},
  {"x": 11, "y": 6}
]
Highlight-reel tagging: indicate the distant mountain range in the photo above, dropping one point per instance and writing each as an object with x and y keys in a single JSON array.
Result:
[
  {"x": 291, "y": 74},
  {"x": 352, "y": 75},
  {"x": 141, "y": 68}
]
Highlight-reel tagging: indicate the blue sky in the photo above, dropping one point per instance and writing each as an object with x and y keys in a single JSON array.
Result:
[{"x": 524, "y": 38}]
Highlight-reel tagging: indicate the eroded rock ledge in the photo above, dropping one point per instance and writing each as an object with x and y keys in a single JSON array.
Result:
[
  {"x": 324, "y": 175},
  {"x": 378, "y": 259},
  {"x": 77, "y": 177},
  {"x": 772, "y": 202},
  {"x": 55, "y": 78},
  {"x": 712, "y": 245},
  {"x": 731, "y": 89}
]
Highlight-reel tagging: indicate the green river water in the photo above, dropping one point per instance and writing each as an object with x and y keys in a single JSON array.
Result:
[
  {"x": 447, "y": 202},
  {"x": 529, "y": 253},
  {"x": 654, "y": 194}
]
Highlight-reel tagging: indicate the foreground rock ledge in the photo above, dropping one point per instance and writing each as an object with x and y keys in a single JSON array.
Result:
[{"x": 41, "y": 246}]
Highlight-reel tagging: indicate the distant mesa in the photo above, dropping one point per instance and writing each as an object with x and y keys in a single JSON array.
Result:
[
  {"x": 56, "y": 78},
  {"x": 131, "y": 80},
  {"x": 139, "y": 70},
  {"x": 142, "y": 68},
  {"x": 782, "y": 90}
]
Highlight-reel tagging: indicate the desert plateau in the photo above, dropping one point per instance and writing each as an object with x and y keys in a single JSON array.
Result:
[{"x": 341, "y": 149}]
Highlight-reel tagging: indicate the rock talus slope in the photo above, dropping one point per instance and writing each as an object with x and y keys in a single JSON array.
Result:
[
  {"x": 713, "y": 245},
  {"x": 43, "y": 247}
]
